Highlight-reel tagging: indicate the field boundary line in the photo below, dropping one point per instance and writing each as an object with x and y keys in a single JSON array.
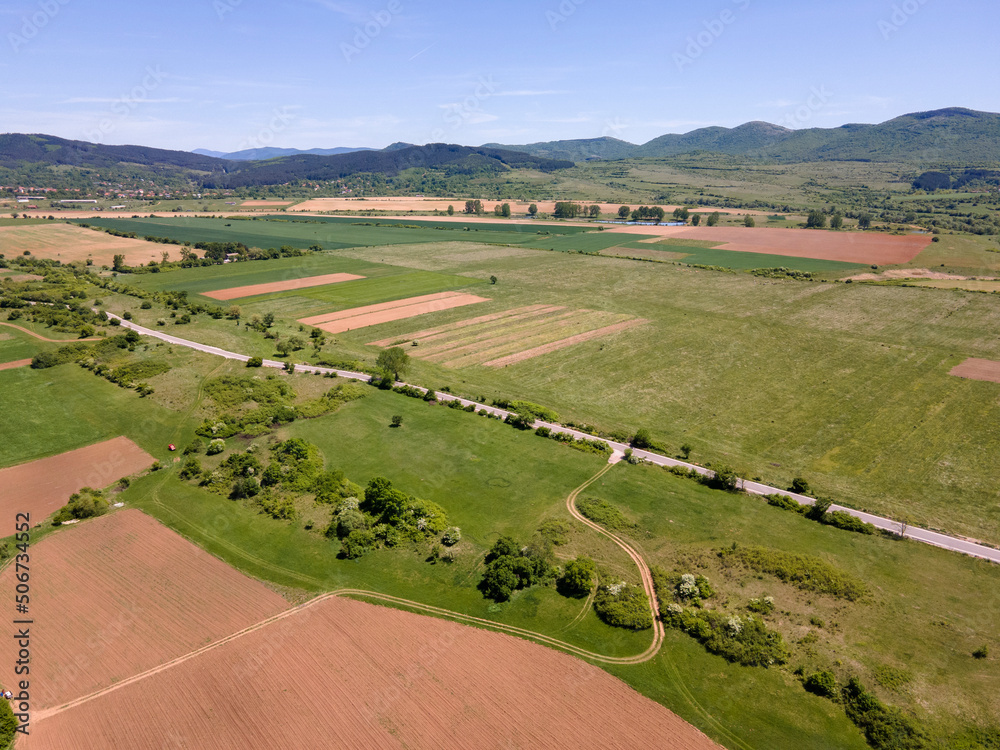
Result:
[{"x": 926, "y": 536}]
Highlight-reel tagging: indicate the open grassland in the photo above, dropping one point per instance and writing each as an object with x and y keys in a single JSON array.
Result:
[
  {"x": 121, "y": 594},
  {"x": 67, "y": 243},
  {"x": 969, "y": 285},
  {"x": 382, "y": 679},
  {"x": 494, "y": 480},
  {"x": 972, "y": 256},
  {"x": 847, "y": 385},
  {"x": 918, "y": 623},
  {"x": 16, "y": 345},
  {"x": 43, "y": 486}
]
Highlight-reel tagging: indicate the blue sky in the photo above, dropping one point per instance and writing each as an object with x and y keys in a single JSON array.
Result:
[{"x": 233, "y": 74}]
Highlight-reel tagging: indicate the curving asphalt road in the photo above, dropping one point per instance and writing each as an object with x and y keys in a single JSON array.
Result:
[{"x": 954, "y": 544}]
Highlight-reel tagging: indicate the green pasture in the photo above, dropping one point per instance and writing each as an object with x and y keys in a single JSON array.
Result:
[
  {"x": 742, "y": 261},
  {"x": 15, "y": 345}
]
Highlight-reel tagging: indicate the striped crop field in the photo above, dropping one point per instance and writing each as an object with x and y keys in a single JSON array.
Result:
[{"x": 504, "y": 338}]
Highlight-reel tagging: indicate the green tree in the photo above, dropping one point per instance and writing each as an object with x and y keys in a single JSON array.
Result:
[
  {"x": 498, "y": 210},
  {"x": 681, "y": 213},
  {"x": 623, "y": 212},
  {"x": 499, "y": 580},
  {"x": 397, "y": 421},
  {"x": 642, "y": 439},
  {"x": 234, "y": 312},
  {"x": 394, "y": 361},
  {"x": 837, "y": 221},
  {"x": 816, "y": 219},
  {"x": 283, "y": 348},
  {"x": 595, "y": 211},
  {"x": 505, "y": 210},
  {"x": 451, "y": 210},
  {"x": 865, "y": 221},
  {"x": 8, "y": 724},
  {"x": 578, "y": 577},
  {"x": 696, "y": 219},
  {"x": 268, "y": 319},
  {"x": 686, "y": 451},
  {"x": 533, "y": 209},
  {"x": 493, "y": 280},
  {"x": 505, "y": 546},
  {"x": 713, "y": 219},
  {"x": 118, "y": 264},
  {"x": 749, "y": 221}
]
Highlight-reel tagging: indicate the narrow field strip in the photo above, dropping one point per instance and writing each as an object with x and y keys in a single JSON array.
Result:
[
  {"x": 486, "y": 329},
  {"x": 400, "y": 313},
  {"x": 253, "y": 290},
  {"x": 537, "y": 337},
  {"x": 558, "y": 331},
  {"x": 557, "y": 345},
  {"x": 353, "y": 311},
  {"x": 407, "y": 337},
  {"x": 477, "y": 340}
]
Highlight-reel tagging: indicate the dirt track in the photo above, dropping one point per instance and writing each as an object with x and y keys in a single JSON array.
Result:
[
  {"x": 16, "y": 365},
  {"x": 42, "y": 338}
]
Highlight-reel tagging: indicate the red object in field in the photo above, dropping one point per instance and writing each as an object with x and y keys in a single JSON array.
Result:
[{"x": 171, "y": 447}]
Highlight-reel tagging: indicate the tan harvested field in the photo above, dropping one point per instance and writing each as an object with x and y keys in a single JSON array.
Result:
[
  {"x": 67, "y": 243},
  {"x": 119, "y": 595},
  {"x": 851, "y": 247},
  {"x": 17, "y": 364},
  {"x": 253, "y": 290},
  {"x": 480, "y": 340},
  {"x": 969, "y": 285},
  {"x": 345, "y": 674},
  {"x": 978, "y": 369},
  {"x": 627, "y": 252},
  {"x": 42, "y": 487},
  {"x": 385, "y": 312},
  {"x": 915, "y": 273},
  {"x": 262, "y": 204}
]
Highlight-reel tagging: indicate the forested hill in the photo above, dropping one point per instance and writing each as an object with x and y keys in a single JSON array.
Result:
[
  {"x": 453, "y": 159},
  {"x": 17, "y": 149},
  {"x": 944, "y": 136}
]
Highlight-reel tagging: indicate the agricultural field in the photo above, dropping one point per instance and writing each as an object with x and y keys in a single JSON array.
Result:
[
  {"x": 281, "y": 286},
  {"x": 65, "y": 243},
  {"x": 433, "y": 695},
  {"x": 978, "y": 369},
  {"x": 121, "y": 594},
  {"x": 403, "y": 309},
  {"x": 42, "y": 486}
]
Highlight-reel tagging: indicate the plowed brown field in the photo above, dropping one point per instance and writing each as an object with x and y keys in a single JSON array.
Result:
[
  {"x": 851, "y": 247},
  {"x": 343, "y": 674},
  {"x": 384, "y": 312},
  {"x": 978, "y": 369},
  {"x": 237, "y": 292},
  {"x": 68, "y": 243},
  {"x": 118, "y": 595},
  {"x": 42, "y": 487}
]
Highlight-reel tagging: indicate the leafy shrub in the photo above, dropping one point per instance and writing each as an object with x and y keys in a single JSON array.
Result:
[
  {"x": 642, "y": 439},
  {"x": 982, "y": 652},
  {"x": 786, "y": 503},
  {"x": 741, "y": 640},
  {"x": 555, "y": 531},
  {"x": 276, "y": 506},
  {"x": 799, "y": 486},
  {"x": 244, "y": 487},
  {"x": 87, "y": 503},
  {"x": 848, "y": 522},
  {"x": 802, "y": 571},
  {"x": 452, "y": 536},
  {"x": 885, "y": 728},
  {"x": 509, "y": 567},
  {"x": 823, "y": 684},
  {"x": 191, "y": 468},
  {"x": 623, "y": 606},
  {"x": 762, "y": 606},
  {"x": 8, "y": 724},
  {"x": 216, "y": 447},
  {"x": 255, "y": 362},
  {"x": 195, "y": 446},
  {"x": 578, "y": 578},
  {"x": 543, "y": 432},
  {"x": 604, "y": 514},
  {"x": 534, "y": 410},
  {"x": 357, "y": 544},
  {"x": 348, "y": 521}
]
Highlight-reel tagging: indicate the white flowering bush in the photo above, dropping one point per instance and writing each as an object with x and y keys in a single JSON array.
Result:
[
  {"x": 452, "y": 536},
  {"x": 734, "y": 625},
  {"x": 688, "y": 588},
  {"x": 216, "y": 446}
]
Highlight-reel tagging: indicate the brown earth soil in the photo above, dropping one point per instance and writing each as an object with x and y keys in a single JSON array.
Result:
[
  {"x": 978, "y": 369},
  {"x": 851, "y": 247},
  {"x": 538, "y": 351},
  {"x": 342, "y": 673},
  {"x": 253, "y": 290},
  {"x": 369, "y": 315},
  {"x": 68, "y": 243},
  {"x": 15, "y": 365},
  {"x": 42, "y": 487},
  {"x": 117, "y": 595}
]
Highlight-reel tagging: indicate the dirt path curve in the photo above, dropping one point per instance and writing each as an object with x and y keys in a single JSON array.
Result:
[
  {"x": 644, "y": 572},
  {"x": 42, "y": 338}
]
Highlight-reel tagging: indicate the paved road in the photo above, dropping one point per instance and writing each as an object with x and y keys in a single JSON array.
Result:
[{"x": 926, "y": 536}]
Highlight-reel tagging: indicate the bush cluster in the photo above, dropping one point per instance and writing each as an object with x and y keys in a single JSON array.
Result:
[
  {"x": 802, "y": 571},
  {"x": 87, "y": 503},
  {"x": 623, "y": 605},
  {"x": 885, "y": 727},
  {"x": 604, "y": 514},
  {"x": 510, "y": 567},
  {"x": 741, "y": 640}
]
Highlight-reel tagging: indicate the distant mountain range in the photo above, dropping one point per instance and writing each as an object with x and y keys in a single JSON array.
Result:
[
  {"x": 949, "y": 138},
  {"x": 941, "y": 136},
  {"x": 261, "y": 154}
]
